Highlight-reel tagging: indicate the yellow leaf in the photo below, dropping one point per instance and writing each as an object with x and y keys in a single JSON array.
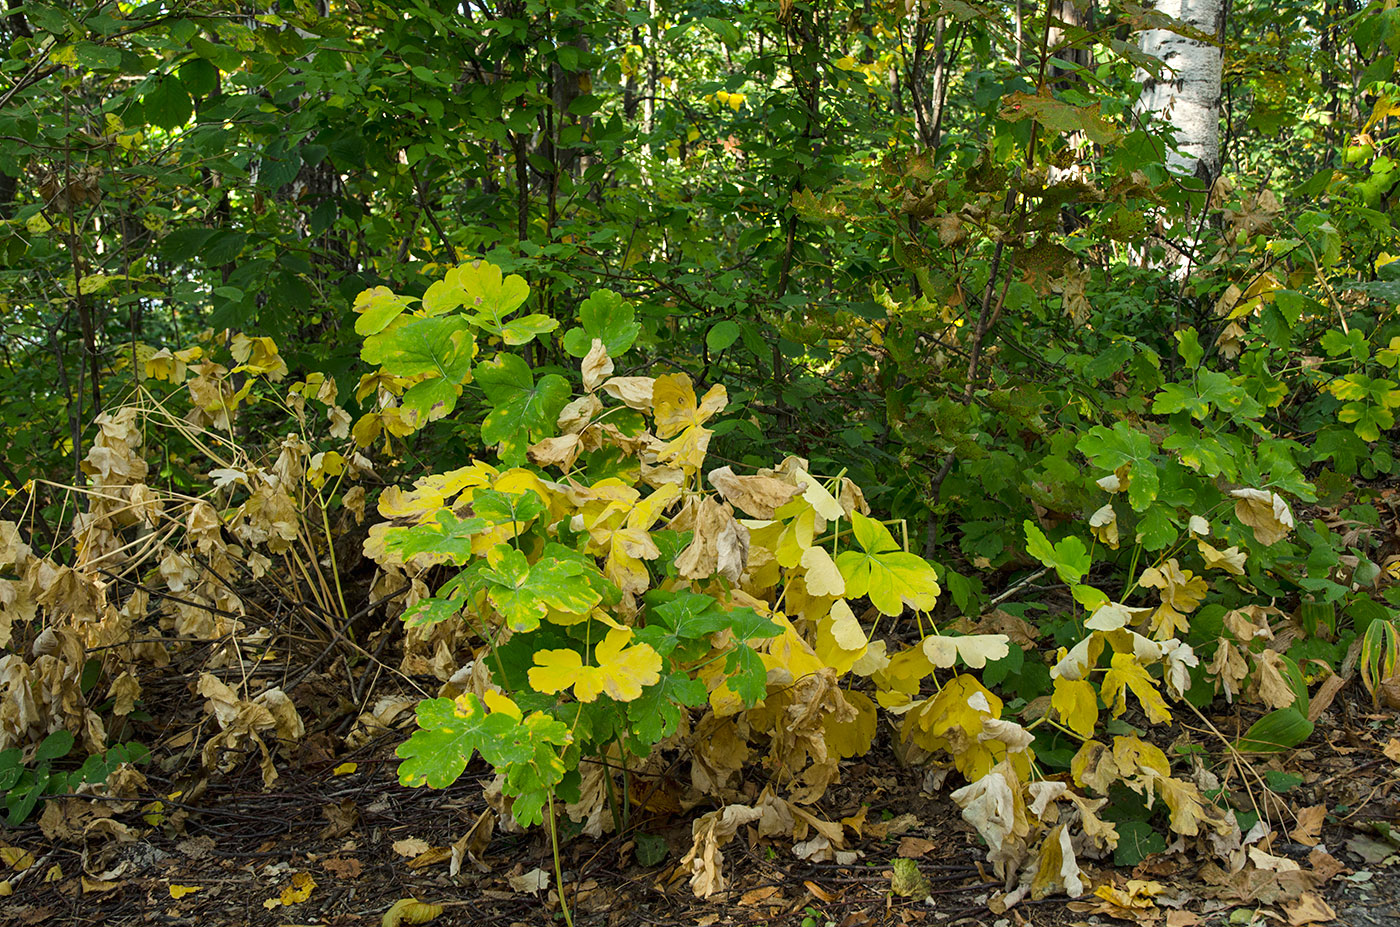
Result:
[
  {"x": 821, "y": 576},
  {"x": 675, "y": 408},
  {"x": 1181, "y": 589},
  {"x": 1138, "y": 896},
  {"x": 840, "y": 639},
  {"x": 345, "y": 769},
  {"x": 633, "y": 392},
  {"x": 1181, "y": 592},
  {"x": 1136, "y": 757},
  {"x": 1127, "y": 674},
  {"x": 1231, "y": 560},
  {"x": 846, "y": 63},
  {"x": 16, "y": 858},
  {"x": 1058, "y": 869},
  {"x": 1189, "y": 808},
  {"x": 410, "y": 911},
  {"x": 974, "y": 649},
  {"x": 900, "y": 680},
  {"x": 622, "y": 670},
  {"x": 853, "y": 737},
  {"x": 1078, "y": 705},
  {"x": 1104, "y": 525},
  {"x": 822, "y": 502},
  {"x": 296, "y": 893},
  {"x": 180, "y": 891},
  {"x": 954, "y": 720}
]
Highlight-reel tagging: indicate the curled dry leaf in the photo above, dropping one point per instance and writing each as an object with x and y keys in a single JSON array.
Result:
[
  {"x": 705, "y": 860},
  {"x": 633, "y": 392},
  {"x": 1104, "y": 525},
  {"x": 597, "y": 366},
  {"x": 1265, "y": 512},
  {"x": 720, "y": 545},
  {"x": 757, "y": 496}
]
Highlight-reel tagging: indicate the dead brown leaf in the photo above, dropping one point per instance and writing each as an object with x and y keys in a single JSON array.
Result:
[
  {"x": 411, "y": 847},
  {"x": 914, "y": 847},
  {"x": 343, "y": 867},
  {"x": 755, "y": 496},
  {"x": 1310, "y": 908},
  {"x": 769, "y": 894},
  {"x": 430, "y": 857},
  {"x": 1309, "y": 829},
  {"x": 1392, "y": 750},
  {"x": 1322, "y": 698},
  {"x": 343, "y": 817}
]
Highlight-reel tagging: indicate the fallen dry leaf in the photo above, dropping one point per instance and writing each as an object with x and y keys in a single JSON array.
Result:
[
  {"x": 430, "y": 857},
  {"x": 411, "y": 847},
  {"x": 1392, "y": 750},
  {"x": 1309, "y": 829},
  {"x": 529, "y": 883},
  {"x": 757, "y": 896},
  {"x": 16, "y": 858},
  {"x": 343, "y": 867},
  {"x": 914, "y": 847},
  {"x": 180, "y": 891},
  {"x": 1310, "y": 908}
]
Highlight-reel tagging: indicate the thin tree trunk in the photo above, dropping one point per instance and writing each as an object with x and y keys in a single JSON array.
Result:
[{"x": 1188, "y": 94}]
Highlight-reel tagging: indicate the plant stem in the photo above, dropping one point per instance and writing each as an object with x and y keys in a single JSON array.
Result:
[{"x": 558, "y": 870}]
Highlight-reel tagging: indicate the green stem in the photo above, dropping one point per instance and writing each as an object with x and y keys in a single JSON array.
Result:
[{"x": 558, "y": 870}]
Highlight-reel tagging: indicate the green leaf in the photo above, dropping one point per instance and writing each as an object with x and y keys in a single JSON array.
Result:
[
  {"x": 55, "y": 746},
  {"x": 440, "y": 346},
  {"x": 1069, "y": 558},
  {"x": 607, "y": 316},
  {"x": 432, "y": 399},
  {"x": 747, "y": 676},
  {"x": 1278, "y": 730},
  {"x": 520, "y": 404},
  {"x": 652, "y": 849},
  {"x": 446, "y": 534},
  {"x": 168, "y": 104},
  {"x": 522, "y": 330},
  {"x": 428, "y": 612},
  {"x": 1111, "y": 449},
  {"x": 1136, "y": 841},
  {"x": 199, "y": 77},
  {"x": 97, "y": 57},
  {"x": 889, "y": 576},
  {"x": 656, "y": 714},
  {"x": 524, "y": 593},
  {"x": 523, "y": 750},
  {"x": 722, "y": 335},
  {"x": 377, "y": 307},
  {"x": 1188, "y": 345},
  {"x": 501, "y": 508},
  {"x": 690, "y": 615}
]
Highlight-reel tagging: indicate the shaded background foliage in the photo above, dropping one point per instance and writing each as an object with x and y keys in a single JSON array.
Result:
[{"x": 842, "y": 209}]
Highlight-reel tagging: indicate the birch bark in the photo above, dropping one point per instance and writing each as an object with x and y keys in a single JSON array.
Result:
[{"x": 1188, "y": 95}]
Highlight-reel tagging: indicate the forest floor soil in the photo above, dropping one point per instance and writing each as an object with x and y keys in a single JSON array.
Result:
[{"x": 335, "y": 846}]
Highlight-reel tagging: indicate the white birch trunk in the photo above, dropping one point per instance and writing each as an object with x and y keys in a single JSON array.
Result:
[{"x": 1188, "y": 95}]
